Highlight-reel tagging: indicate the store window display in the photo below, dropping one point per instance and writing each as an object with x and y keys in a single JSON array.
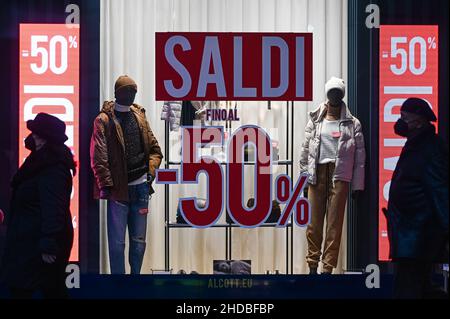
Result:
[{"x": 333, "y": 155}]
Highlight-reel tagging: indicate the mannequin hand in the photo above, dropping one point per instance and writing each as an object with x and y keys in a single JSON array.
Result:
[
  {"x": 305, "y": 192},
  {"x": 105, "y": 193},
  {"x": 356, "y": 194},
  {"x": 48, "y": 259}
]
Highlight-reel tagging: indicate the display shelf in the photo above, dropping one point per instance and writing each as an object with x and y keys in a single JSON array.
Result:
[
  {"x": 287, "y": 163},
  {"x": 280, "y": 162},
  {"x": 176, "y": 225}
]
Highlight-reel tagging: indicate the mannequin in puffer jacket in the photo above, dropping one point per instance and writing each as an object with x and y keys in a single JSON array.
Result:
[
  {"x": 172, "y": 112},
  {"x": 333, "y": 156}
]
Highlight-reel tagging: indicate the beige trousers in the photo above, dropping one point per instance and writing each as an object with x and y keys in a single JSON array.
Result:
[{"x": 327, "y": 201}]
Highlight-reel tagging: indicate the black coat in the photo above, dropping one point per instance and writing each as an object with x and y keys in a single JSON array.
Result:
[
  {"x": 418, "y": 205},
  {"x": 39, "y": 219}
]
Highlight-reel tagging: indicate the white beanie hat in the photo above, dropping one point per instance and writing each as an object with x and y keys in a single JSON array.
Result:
[{"x": 335, "y": 83}]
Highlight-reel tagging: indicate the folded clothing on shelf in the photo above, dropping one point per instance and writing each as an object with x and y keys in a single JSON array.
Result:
[
  {"x": 183, "y": 272},
  {"x": 274, "y": 216},
  {"x": 249, "y": 152},
  {"x": 171, "y": 111},
  {"x": 232, "y": 267}
]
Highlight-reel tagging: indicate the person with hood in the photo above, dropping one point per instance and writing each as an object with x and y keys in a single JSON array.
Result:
[
  {"x": 124, "y": 157},
  {"x": 333, "y": 156},
  {"x": 417, "y": 212},
  {"x": 39, "y": 224}
]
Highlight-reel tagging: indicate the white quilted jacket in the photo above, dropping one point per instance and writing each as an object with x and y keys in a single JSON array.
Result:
[{"x": 350, "y": 155}]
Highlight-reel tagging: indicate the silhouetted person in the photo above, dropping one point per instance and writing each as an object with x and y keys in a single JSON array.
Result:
[
  {"x": 39, "y": 224},
  {"x": 417, "y": 213}
]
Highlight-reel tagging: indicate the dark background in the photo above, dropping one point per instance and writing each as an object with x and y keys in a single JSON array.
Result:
[
  {"x": 363, "y": 100},
  {"x": 12, "y": 13},
  {"x": 362, "y": 96}
]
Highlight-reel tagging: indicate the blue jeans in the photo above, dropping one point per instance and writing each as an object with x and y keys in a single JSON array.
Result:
[{"x": 134, "y": 214}]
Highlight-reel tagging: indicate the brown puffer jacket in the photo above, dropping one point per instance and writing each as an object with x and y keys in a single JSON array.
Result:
[{"x": 108, "y": 151}]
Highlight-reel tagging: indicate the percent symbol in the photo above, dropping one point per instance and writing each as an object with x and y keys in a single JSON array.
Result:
[
  {"x": 294, "y": 202},
  {"x": 73, "y": 41},
  {"x": 431, "y": 42}
]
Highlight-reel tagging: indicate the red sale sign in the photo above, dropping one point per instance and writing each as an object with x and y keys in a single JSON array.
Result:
[
  {"x": 192, "y": 165},
  {"x": 233, "y": 66},
  {"x": 408, "y": 68},
  {"x": 49, "y": 82}
]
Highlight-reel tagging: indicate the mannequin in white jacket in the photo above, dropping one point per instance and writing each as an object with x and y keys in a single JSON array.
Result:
[{"x": 333, "y": 156}]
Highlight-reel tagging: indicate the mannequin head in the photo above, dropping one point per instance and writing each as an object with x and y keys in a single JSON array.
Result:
[
  {"x": 125, "y": 90},
  {"x": 335, "y": 97},
  {"x": 125, "y": 96},
  {"x": 335, "y": 91}
]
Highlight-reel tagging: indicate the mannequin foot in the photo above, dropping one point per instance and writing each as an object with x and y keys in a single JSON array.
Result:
[{"x": 313, "y": 270}]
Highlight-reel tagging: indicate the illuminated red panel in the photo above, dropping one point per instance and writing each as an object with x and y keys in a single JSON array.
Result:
[
  {"x": 408, "y": 67},
  {"x": 244, "y": 66},
  {"x": 49, "y": 82}
]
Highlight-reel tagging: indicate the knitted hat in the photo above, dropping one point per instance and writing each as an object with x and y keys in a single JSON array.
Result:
[
  {"x": 419, "y": 107},
  {"x": 124, "y": 81},
  {"x": 335, "y": 83}
]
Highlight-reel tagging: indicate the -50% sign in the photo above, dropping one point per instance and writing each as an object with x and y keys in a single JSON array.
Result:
[{"x": 193, "y": 165}]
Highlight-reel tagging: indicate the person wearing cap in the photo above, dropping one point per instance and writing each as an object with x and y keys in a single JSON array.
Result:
[
  {"x": 417, "y": 212},
  {"x": 39, "y": 224},
  {"x": 333, "y": 155},
  {"x": 124, "y": 157}
]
